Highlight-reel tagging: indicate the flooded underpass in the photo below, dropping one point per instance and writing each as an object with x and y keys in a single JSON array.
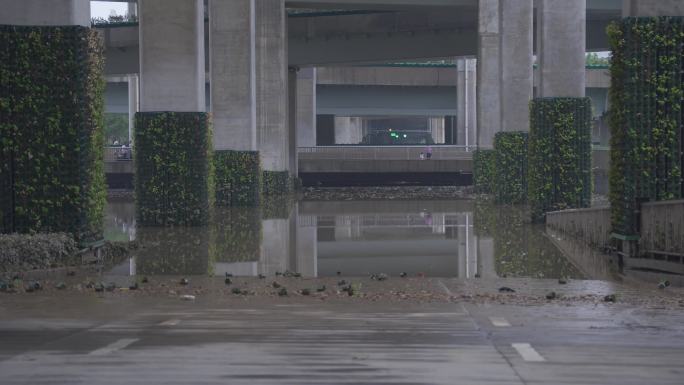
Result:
[
  {"x": 343, "y": 291},
  {"x": 431, "y": 238}
]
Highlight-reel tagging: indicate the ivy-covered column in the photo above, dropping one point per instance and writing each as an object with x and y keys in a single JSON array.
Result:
[
  {"x": 510, "y": 186},
  {"x": 559, "y": 155},
  {"x": 51, "y": 120},
  {"x": 233, "y": 102},
  {"x": 647, "y": 117},
  {"x": 174, "y": 172},
  {"x": 484, "y": 171}
]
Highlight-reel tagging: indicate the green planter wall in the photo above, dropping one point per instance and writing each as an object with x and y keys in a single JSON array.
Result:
[
  {"x": 646, "y": 115},
  {"x": 51, "y": 138},
  {"x": 238, "y": 178},
  {"x": 559, "y": 174},
  {"x": 174, "y": 172},
  {"x": 276, "y": 182},
  {"x": 510, "y": 185},
  {"x": 484, "y": 170}
]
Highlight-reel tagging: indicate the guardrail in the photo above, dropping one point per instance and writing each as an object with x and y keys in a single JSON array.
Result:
[
  {"x": 118, "y": 154},
  {"x": 385, "y": 152},
  {"x": 592, "y": 225},
  {"x": 662, "y": 228}
]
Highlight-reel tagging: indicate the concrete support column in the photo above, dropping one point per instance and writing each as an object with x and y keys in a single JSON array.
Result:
[
  {"x": 233, "y": 73},
  {"x": 516, "y": 64},
  {"x": 306, "y": 107},
  {"x": 271, "y": 90},
  {"x": 471, "y": 91},
  {"x": 488, "y": 73},
  {"x": 43, "y": 13},
  {"x": 133, "y": 104},
  {"x": 133, "y": 9},
  {"x": 651, "y": 8},
  {"x": 466, "y": 121},
  {"x": 437, "y": 129},
  {"x": 292, "y": 118},
  {"x": 561, "y": 47},
  {"x": 348, "y": 130},
  {"x": 172, "y": 70}
]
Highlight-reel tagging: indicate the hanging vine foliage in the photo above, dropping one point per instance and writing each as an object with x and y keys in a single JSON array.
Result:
[
  {"x": 238, "y": 178},
  {"x": 510, "y": 185},
  {"x": 559, "y": 155},
  {"x": 174, "y": 173},
  {"x": 276, "y": 182},
  {"x": 51, "y": 135},
  {"x": 484, "y": 170},
  {"x": 647, "y": 120}
]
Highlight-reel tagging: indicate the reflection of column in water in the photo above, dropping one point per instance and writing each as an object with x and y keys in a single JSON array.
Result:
[
  {"x": 307, "y": 247},
  {"x": 343, "y": 229},
  {"x": 275, "y": 246},
  {"x": 439, "y": 223},
  {"x": 485, "y": 257},
  {"x": 471, "y": 247},
  {"x": 131, "y": 266},
  {"x": 462, "y": 244}
]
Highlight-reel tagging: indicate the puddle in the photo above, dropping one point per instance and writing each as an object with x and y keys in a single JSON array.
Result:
[{"x": 457, "y": 238}]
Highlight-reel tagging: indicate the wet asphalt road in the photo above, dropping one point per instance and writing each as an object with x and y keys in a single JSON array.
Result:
[{"x": 159, "y": 340}]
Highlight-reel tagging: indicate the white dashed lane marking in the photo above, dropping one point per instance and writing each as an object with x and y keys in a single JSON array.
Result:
[
  {"x": 499, "y": 322},
  {"x": 113, "y": 347},
  {"x": 528, "y": 353},
  {"x": 171, "y": 322}
]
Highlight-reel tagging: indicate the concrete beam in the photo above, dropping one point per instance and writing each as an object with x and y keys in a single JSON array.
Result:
[
  {"x": 172, "y": 58},
  {"x": 43, "y": 13},
  {"x": 387, "y": 76}
]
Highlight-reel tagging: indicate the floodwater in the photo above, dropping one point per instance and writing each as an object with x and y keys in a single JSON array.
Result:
[{"x": 457, "y": 238}]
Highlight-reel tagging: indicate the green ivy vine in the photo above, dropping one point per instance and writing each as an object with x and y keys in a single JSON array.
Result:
[
  {"x": 559, "y": 175},
  {"x": 238, "y": 178},
  {"x": 484, "y": 171},
  {"x": 647, "y": 117},
  {"x": 511, "y": 167},
  {"x": 51, "y": 131},
  {"x": 174, "y": 180}
]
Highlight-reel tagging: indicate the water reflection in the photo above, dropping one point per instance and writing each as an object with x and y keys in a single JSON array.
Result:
[{"x": 436, "y": 238}]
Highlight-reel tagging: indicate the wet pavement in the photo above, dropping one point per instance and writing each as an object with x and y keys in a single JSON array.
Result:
[
  {"x": 379, "y": 291},
  {"x": 119, "y": 338}
]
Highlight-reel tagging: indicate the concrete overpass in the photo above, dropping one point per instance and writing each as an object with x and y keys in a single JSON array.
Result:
[{"x": 251, "y": 51}]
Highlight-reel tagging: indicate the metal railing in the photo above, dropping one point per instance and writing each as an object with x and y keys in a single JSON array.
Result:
[
  {"x": 385, "y": 152},
  {"x": 118, "y": 154}
]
